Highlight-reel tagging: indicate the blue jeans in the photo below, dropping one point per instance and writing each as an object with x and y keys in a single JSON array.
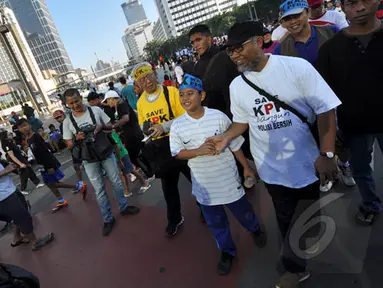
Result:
[
  {"x": 361, "y": 147},
  {"x": 95, "y": 174},
  {"x": 218, "y": 223}
]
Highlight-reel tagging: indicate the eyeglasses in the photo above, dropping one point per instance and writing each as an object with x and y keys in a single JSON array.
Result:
[{"x": 237, "y": 48}]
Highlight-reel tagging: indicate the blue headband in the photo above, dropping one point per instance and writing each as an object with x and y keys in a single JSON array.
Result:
[{"x": 191, "y": 82}]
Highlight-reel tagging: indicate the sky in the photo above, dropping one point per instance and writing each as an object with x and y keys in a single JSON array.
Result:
[{"x": 93, "y": 26}]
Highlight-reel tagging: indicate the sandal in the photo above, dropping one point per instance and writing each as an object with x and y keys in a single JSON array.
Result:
[
  {"x": 42, "y": 242},
  {"x": 20, "y": 242}
]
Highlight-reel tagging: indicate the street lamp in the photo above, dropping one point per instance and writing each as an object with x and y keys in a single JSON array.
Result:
[{"x": 252, "y": 5}]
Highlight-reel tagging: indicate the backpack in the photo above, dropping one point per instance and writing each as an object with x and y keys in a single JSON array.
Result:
[{"x": 16, "y": 277}]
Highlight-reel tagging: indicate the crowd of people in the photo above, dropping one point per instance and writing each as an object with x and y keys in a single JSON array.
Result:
[{"x": 301, "y": 107}]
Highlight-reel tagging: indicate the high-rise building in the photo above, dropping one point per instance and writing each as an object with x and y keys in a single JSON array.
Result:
[
  {"x": 42, "y": 35},
  {"x": 134, "y": 11},
  {"x": 179, "y": 15},
  {"x": 136, "y": 37},
  {"x": 158, "y": 32}
]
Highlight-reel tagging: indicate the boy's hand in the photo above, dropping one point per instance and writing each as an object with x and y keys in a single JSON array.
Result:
[
  {"x": 207, "y": 149},
  {"x": 22, "y": 165},
  {"x": 80, "y": 136},
  {"x": 51, "y": 171}
]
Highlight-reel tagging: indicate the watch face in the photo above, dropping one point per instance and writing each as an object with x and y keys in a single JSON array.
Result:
[{"x": 330, "y": 155}]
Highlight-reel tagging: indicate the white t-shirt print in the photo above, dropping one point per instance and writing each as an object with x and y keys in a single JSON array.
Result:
[
  {"x": 330, "y": 17},
  {"x": 283, "y": 147},
  {"x": 215, "y": 179}
]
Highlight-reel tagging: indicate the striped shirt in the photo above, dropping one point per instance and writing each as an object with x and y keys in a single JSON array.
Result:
[{"x": 215, "y": 179}]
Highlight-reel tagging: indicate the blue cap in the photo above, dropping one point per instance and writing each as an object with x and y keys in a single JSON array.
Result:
[
  {"x": 191, "y": 81},
  {"x": 293, "y": 7}
]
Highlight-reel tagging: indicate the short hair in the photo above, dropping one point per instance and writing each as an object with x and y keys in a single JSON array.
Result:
[
  {"x": 166, "y": 77},
  {"x": 111, "y": 84},
  {"x": 122, "y": 80},
  {"x": 51, "y": 126},
  {"x": 93, "y": 96},
  {"x": 72, "y": 92},
  {"x": 201, "y": 28},
  {"x": 21, "y": 121}
]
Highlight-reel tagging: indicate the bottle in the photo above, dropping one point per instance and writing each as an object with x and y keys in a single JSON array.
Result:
[{"x": 249, "y": 182}]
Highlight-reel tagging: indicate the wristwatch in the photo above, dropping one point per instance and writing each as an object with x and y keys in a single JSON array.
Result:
[{"x": 329, "y": 155}]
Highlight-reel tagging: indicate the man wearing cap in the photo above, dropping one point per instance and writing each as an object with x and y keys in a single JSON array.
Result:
[
  {"x": 157, "y": 108},
  {"x": 278, "y": 98},
  {"x": 304, "y": 39},
  {"x": 322, "y": 17}
]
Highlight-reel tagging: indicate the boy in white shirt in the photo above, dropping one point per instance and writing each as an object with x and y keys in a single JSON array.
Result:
[{"x": 215, "y": 179}]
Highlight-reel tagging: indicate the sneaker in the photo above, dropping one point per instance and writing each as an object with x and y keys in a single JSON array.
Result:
[
  {"x": 288, "y": 280},
  {"x": 325, "y": 188},
  {"x": 75, "y": 191},
  {"x": 365, "y": 218},
  {"x": 132, "y": 178},
  {"x": 130, "y": 210},
  {"x": 25, "y": 192},
  {"x": 108, "y": 227},
  {"x": 127, "y": 195},
  {"x": 224, "y": 265},
  {"x": 347, "y": 177},
  {"x": 260, "y": 237},
  {"x": 172, "y": 229},
  {"x": 151, "y": 179},
  {"x": 39, "y": 185},
  {"x": 82, "y": 188},
  {"x": 143, "y": 189}
]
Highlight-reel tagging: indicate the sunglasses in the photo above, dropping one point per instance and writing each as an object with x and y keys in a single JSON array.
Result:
[{"x": 237, "y": 48}]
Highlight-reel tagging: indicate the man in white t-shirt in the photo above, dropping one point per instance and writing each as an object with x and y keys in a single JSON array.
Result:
[
  {"x": 283, "y": 147},
  {"x": 322, "y": 17}
]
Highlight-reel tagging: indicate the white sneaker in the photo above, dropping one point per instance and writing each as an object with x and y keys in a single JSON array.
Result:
[
  {"x": 325, "y": 188},
  {"x": 347, "y": 177},
  {"x": 151, "y": 179},
  {"x": 24, "y": 192},
  {"x": 40, "y": 185},
  {"x": 143, "y": 189},
  {"x": 132, "y": 178},
  {"x": 128, "y": 195}
]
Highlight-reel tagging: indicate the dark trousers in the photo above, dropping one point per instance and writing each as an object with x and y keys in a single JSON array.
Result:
[
  {"x": 25, "y": 174},
  {"x": 361, "y": 147},
  {"x": 289, "y": 204},
  {"x": 218, "y": 222},
  {"x": 169, "y": 181}
]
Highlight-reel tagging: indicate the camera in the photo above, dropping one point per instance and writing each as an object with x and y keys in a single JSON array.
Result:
[{"x": 88, "y": 130}]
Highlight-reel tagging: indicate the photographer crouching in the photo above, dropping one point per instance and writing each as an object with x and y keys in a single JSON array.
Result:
[{"x": 94, "y": 146}]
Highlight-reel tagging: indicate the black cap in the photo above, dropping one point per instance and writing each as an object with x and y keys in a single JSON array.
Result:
[{"x": 241, "y": 32}]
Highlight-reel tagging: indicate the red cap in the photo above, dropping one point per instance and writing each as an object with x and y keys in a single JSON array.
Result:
[{"x": 314, "y": 2}]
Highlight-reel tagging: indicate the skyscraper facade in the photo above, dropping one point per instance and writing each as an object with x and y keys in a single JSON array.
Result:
[
  {"x": 180, "y": 15},
  {"x": 42, "y": 35},
  {"x": 134, "y": 11}
]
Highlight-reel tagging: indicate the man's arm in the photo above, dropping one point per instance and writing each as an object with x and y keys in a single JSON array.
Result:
[
  {"x": 327, "y": 131},
  {"x": 14, "y": 159},
  {"x": 206, "y": 149},
  {"x": 10, "y": 168}
]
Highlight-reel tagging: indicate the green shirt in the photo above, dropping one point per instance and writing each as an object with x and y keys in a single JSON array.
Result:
[
  {"x": 129, "y": 95},
  {"x": 123, "y": 151}
]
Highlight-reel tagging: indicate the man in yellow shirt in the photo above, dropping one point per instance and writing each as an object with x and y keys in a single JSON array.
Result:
[{"x": 157, "y": 107}]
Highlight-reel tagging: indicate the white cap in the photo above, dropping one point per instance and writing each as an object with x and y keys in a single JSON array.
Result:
[{"x": 110, "y": 94}]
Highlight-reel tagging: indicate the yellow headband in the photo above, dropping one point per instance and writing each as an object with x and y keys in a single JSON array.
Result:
[{"x": 142, "y": 72}]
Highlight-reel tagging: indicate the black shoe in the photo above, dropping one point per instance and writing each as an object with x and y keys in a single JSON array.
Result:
[
  {"x": 7, "y": 227},
  {"x": 172, "y": 229},
  {"x": 130, "y": 210},
  {"x": 260, "y": 237},
  {"x": 224, "y": 265},
  {"x": 365, "y": 218},
  {"x": 108, "y": 227}
]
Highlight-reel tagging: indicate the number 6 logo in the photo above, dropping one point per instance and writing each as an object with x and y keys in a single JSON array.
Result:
[{"x": 304, "y": 223}]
